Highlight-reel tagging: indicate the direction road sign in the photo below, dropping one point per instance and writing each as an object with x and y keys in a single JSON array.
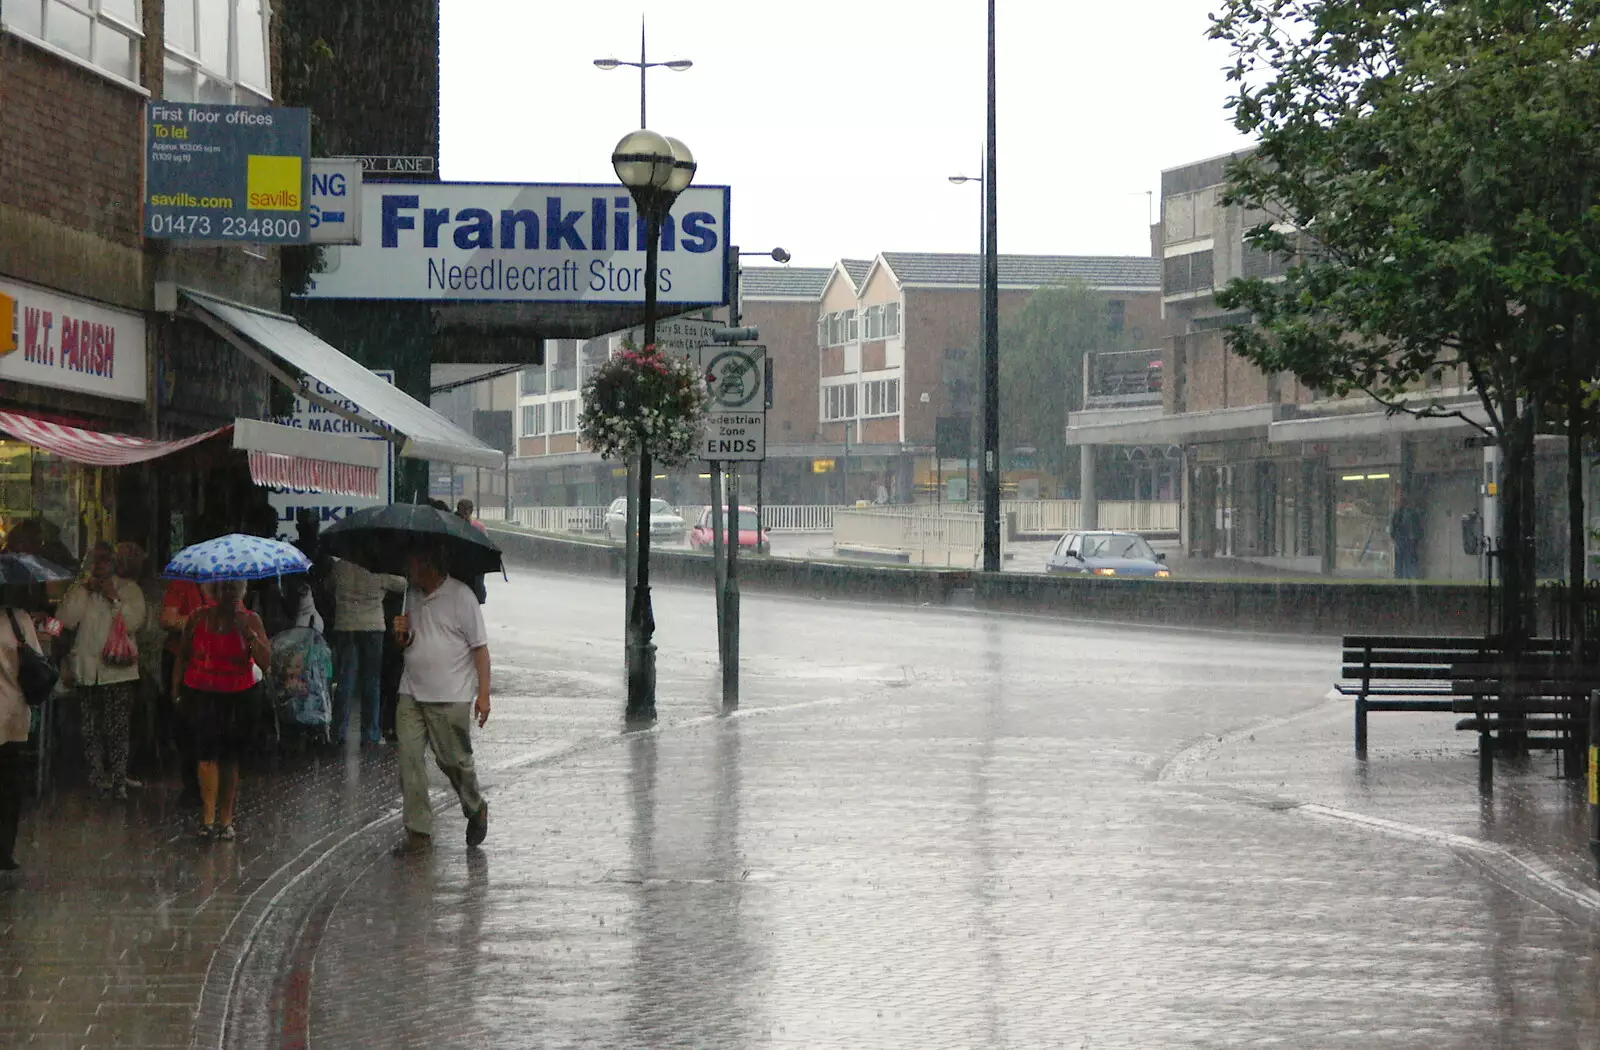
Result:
[
  {"x": 678, "y": 336},
  {"x": 735, "y": 437},
  {"x": 736, "y": 377}
]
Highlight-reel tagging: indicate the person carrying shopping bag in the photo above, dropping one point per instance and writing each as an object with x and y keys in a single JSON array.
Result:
[{"x": 103, "y": 665}]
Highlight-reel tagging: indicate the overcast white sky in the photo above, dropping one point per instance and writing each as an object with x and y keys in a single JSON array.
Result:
[{"x": 836, "y": 122}]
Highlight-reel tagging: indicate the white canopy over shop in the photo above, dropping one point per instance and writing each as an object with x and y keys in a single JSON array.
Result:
[{"x": 275, "y": 340}]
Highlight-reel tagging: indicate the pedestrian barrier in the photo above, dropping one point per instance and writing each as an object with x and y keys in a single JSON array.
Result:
[{"x": 1033, "y": 517}]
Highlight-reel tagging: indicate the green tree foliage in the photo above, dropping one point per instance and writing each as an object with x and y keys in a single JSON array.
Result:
[
  {"x": 1042, "y": 348},
  {"x": 1432, "y": 167}
]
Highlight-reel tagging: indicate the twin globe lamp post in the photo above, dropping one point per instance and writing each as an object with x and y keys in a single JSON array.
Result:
[{"x": 655, "y": 169}]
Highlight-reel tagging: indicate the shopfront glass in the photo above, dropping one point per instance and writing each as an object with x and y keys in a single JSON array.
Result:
[
  {"x": 74, "y": 504},
  {"x": 1363, "y": 504}
]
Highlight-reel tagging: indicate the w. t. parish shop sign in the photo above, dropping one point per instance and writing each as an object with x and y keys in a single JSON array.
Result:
[
  {"x": 73, "y": 344},
  {"x": 554, "y": 243}
]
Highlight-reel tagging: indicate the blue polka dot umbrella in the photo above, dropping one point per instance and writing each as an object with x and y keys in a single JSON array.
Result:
[{"x": 236, "y": 557}]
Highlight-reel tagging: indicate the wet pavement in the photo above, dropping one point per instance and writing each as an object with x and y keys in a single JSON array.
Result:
[{"x": 924, "y": 828}]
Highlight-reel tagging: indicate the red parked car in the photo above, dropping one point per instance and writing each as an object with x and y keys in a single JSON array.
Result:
[{"x": 700, "y": 535}]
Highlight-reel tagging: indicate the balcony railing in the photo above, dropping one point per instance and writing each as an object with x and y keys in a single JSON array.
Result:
[{"x": 1123, "y": 377}]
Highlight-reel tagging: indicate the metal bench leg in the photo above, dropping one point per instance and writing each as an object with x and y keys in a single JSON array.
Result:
[
  {"x": 1485, "y": 762},
  {"x": 1361, "y": 727}
]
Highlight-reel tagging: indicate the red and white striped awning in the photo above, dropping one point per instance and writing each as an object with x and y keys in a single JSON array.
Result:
[
  {"x": 312, "y": 460},
  {"x": 92, "y": 446},
  {"x": 313, "y": 475}
]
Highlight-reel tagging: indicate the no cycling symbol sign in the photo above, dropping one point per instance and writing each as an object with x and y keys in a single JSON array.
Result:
[
  {"x": 735, "y": 378},
  {"x": 736, "y": 425}
]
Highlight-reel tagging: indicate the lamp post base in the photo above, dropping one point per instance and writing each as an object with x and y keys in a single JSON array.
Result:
[{"x": 640, "y": 676}]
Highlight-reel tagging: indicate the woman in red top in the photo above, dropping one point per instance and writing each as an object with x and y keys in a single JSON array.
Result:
[{"x": 219, "y": 645}]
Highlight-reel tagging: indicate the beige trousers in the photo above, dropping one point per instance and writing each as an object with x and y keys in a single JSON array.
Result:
[{"x": 447, "y": 729}]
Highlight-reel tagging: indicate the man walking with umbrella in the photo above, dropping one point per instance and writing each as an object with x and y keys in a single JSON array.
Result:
[
  {"x": 444, "y": 688},
  {"x": 445, "y": 683}
]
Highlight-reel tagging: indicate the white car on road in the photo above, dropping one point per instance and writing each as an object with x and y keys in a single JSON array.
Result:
[{"x": 666, "y": 525}]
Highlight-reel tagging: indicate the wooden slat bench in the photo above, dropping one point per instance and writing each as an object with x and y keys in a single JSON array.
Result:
[
  {"x": 1409, "y": 673},
  {"x": 1536, "y": 703}
]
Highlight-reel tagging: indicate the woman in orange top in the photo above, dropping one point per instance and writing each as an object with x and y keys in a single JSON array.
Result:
[{"x": 219, "y": 645}]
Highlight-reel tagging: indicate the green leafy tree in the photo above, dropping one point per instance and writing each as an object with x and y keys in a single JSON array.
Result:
[
  {"x": 1431, "y": 168},
  {"x": 1042, "y": 348}
]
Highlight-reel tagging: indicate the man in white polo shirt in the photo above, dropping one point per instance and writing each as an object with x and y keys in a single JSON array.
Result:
[{"x": 445, "y": 683}]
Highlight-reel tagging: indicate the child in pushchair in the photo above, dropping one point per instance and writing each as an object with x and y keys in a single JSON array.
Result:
[{"x": 299, "y": 686}]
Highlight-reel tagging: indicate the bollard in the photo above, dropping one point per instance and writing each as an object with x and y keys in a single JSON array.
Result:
[{"x": 1593, "y": 776}]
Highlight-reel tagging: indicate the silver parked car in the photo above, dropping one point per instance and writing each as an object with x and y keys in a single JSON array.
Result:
[{"x": 666, "y": 525}]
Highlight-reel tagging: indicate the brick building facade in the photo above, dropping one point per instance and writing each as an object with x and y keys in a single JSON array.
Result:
[{"x": 1273, "y": 472}]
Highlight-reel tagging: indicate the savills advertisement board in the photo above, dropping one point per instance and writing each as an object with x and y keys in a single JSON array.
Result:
[{"x": 551, "y": 243}]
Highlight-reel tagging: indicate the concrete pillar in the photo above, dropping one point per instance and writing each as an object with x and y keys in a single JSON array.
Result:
[{"x": 1088, "y": 502}]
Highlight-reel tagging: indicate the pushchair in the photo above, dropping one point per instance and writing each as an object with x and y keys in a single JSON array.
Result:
[{"x": 298, "y": 686}]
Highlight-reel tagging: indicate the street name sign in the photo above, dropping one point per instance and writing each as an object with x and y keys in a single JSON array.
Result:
[
  {"x": 227, "y": 174},
  {"x": 736, "y": 425},
  {"x": 394, "y": 165}
]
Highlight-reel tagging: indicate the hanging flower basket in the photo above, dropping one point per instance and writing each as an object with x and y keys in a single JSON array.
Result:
[{"x": 641, "y": 399}]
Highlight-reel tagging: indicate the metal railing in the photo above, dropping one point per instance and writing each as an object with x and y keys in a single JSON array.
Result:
[
  {"x": 1033, "y": 517},
  {"x": 561, "y": 519}
]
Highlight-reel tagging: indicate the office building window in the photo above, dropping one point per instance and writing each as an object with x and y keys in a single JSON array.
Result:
[
  {"x": 563, "y": 417},
  {"x": 103, "y": 33},
  {"x": 839, "y": 402},
  {"x": 217, "y": 51},
  {"x": 532, "y": 421},
  {"x": 881, "y": 397}
]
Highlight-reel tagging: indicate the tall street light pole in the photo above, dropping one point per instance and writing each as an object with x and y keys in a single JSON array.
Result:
[
  {"x": 677, "y": 65},
  {"x": 635, "y": 513},
  {"x": 991, "y": 341},
  {"x": 655, "y": 169},
  {"x": 983, "y": 309}
]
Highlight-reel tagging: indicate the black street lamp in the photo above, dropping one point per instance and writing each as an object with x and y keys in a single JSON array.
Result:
[
  {"x": 991, "y": 335},
  {"x": 677, "y": 65},
  {"x": 983, "y": 313},
  {"x": 655, "y": 169}
]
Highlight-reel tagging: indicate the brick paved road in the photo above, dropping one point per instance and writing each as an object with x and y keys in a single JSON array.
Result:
[
  {"x": 924, "y": 829},
  {"x": 928, "y": 830}
]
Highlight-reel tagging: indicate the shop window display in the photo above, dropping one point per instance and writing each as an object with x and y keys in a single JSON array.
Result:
[{"x": 74, "y": 504}]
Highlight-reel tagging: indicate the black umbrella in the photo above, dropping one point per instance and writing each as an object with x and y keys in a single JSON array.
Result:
[
  {"x": 20, "y": 570},
  {"x": 379, "y": 538}
]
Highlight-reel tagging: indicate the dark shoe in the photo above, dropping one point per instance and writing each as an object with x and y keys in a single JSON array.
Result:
[
  {"x": 478, "y": 826},
  {"x": 413, "y": 844},
  {"x": 205, "y": 834},
  {"x": 226, "y": 833},
  {"x": 8, "y": 863}
]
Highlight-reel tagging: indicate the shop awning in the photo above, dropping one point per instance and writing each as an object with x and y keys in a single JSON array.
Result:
[
  {"x": 93, "y": 447},
  {"x": 420, "y": 431},
  {"x": 309, "y": 461}
]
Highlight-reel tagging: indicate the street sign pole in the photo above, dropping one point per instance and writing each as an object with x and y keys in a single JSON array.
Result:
[
  {"x": 730, "y": 660},
  {"x": 719, "y": 566},
  {"x": 735, "y": 432}
]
